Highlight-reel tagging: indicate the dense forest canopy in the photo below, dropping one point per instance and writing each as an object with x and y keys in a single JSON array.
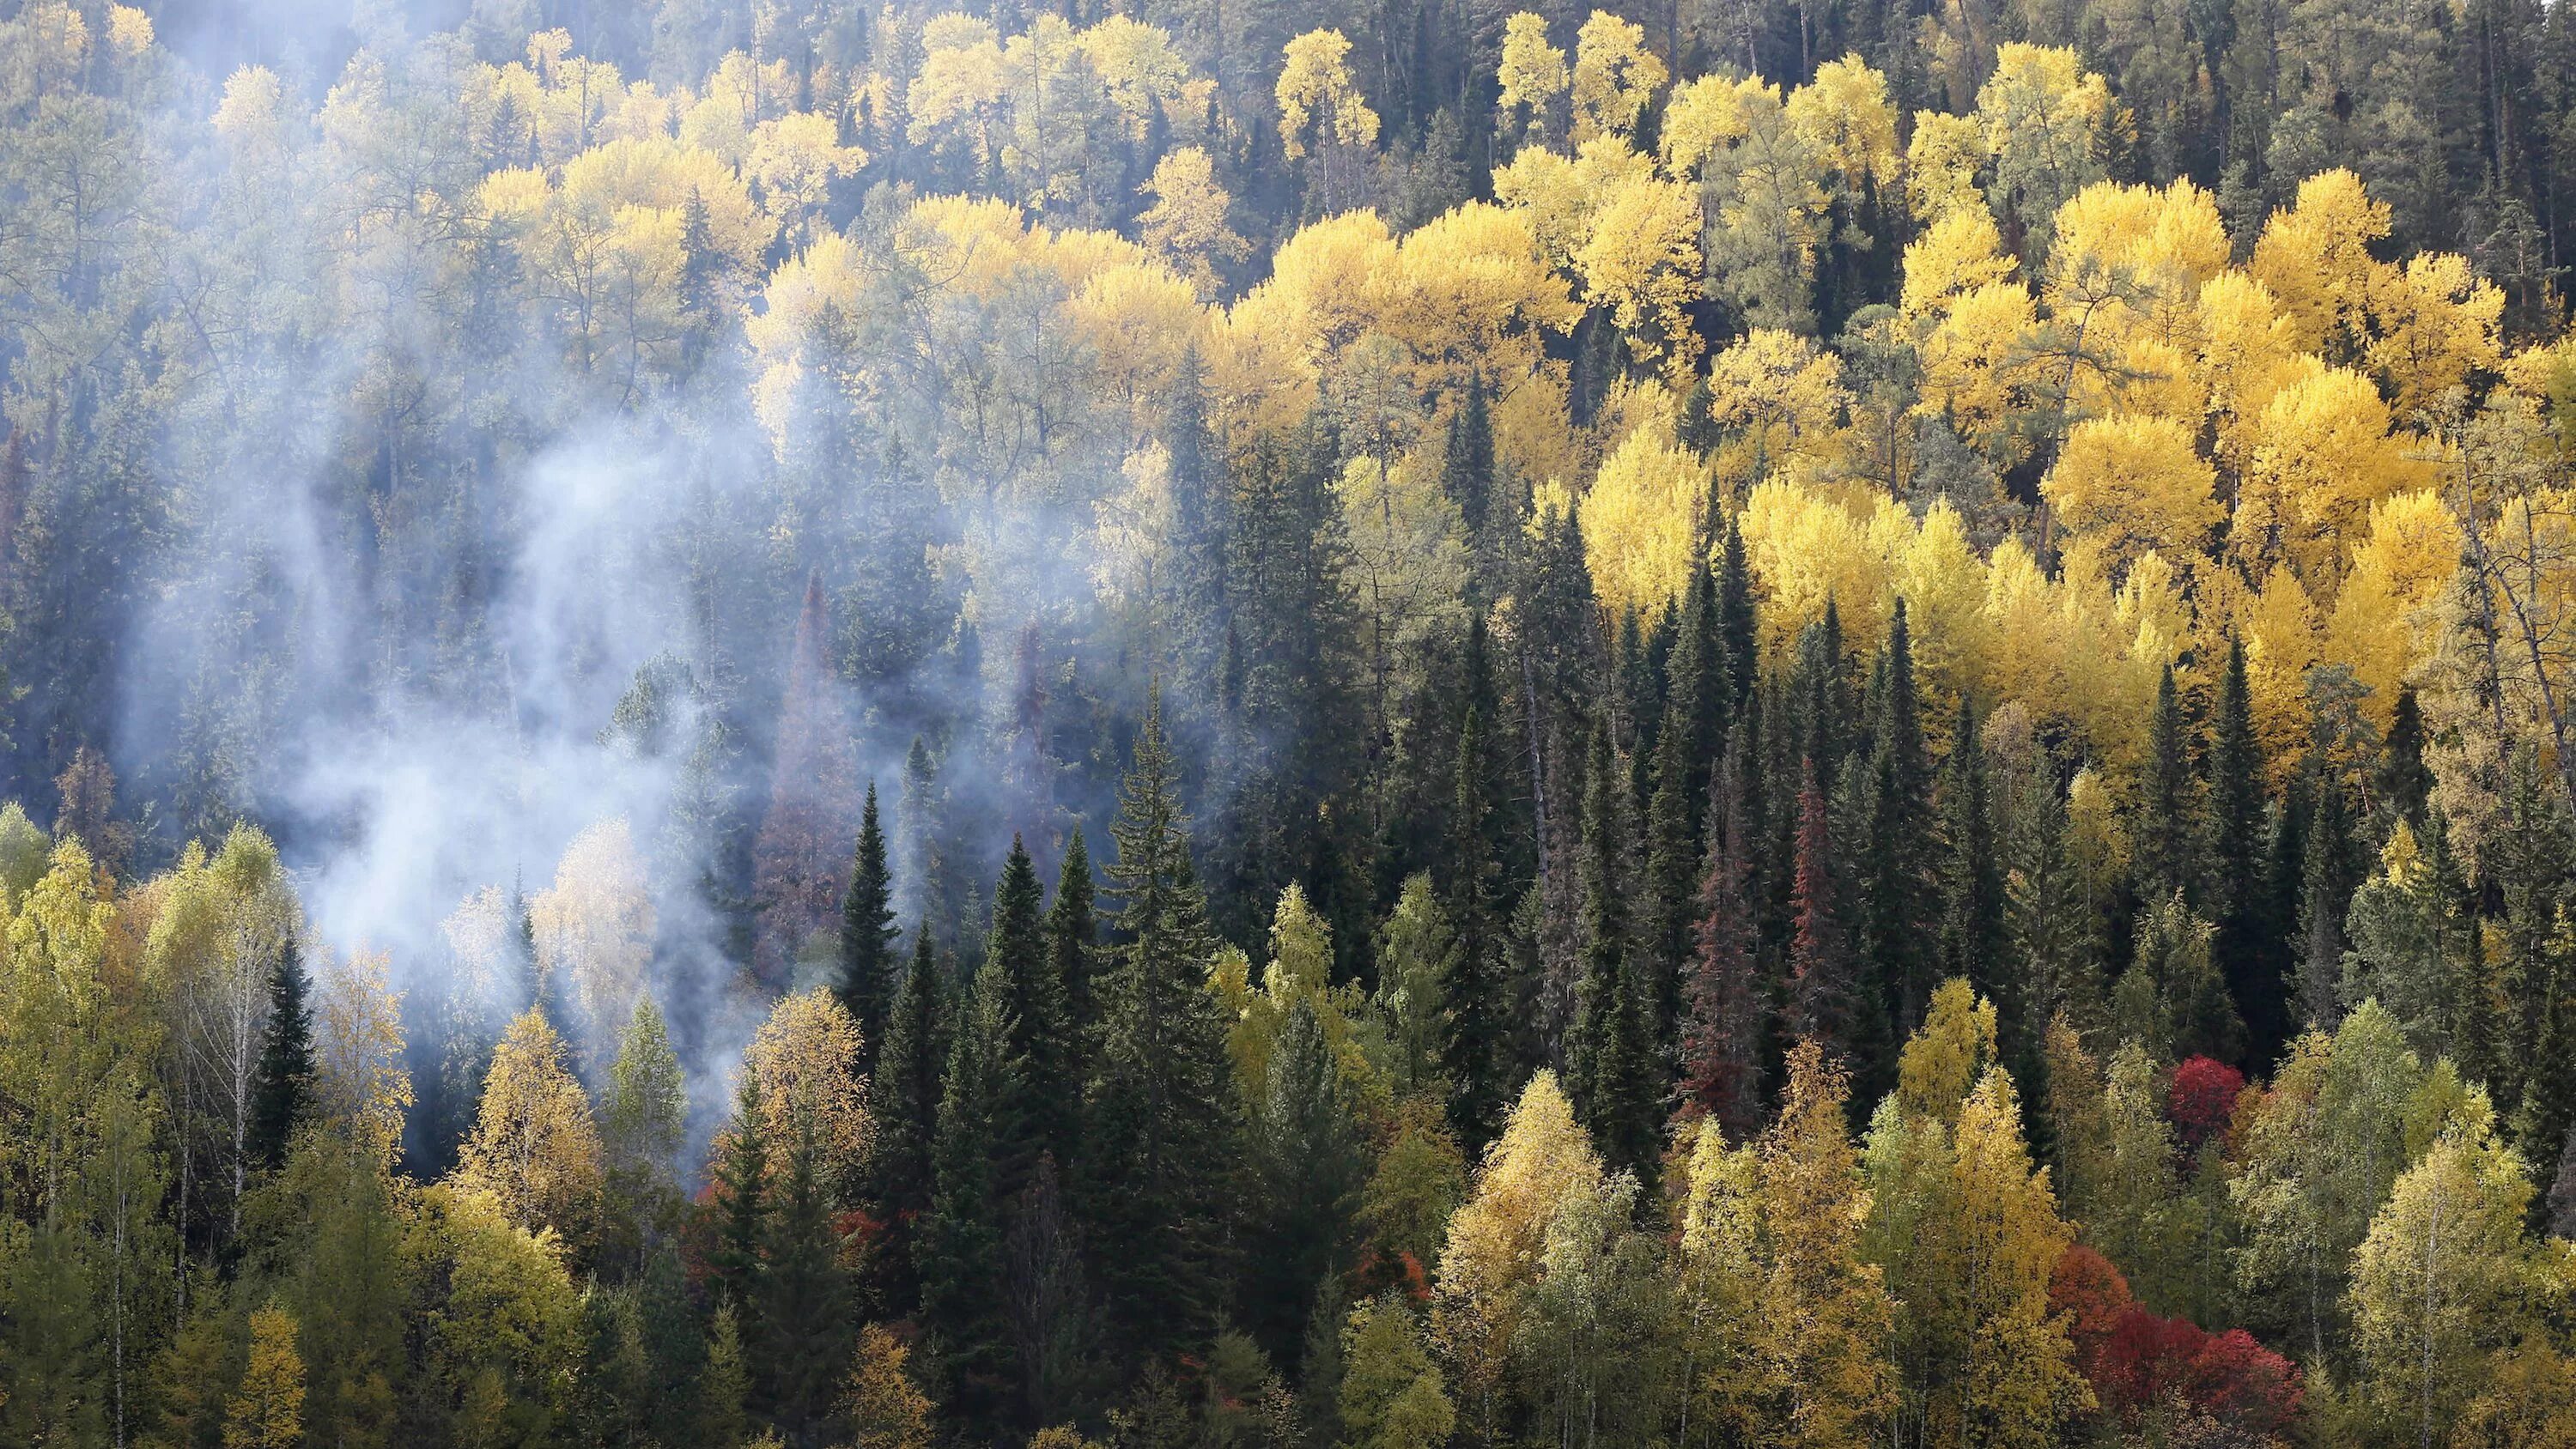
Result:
[{"x": 1379, "y": 725}]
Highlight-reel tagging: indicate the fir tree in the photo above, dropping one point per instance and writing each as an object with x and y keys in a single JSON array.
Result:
[
  {"x": 1310, "y": 1163},
  {"x": 1820, "y": 968},
  {"x": 1042, "y": 1109},
  {"x": 906, "y": 1103},
  {"x": 1893, "y": 901},
  {"x": 1158, "y": 1144},
  {"x": 1722, "y": 1035},
  {"x": 281, "y": 1091},
  {"x": 2164, "y": 830},
  {"x": 1477, "y": 1052},
  {"x": 1737, "y": 640},
  {"x": 960, "y": 1252},
  {"x": 1467, "y": 465},
  {"x": 1685, "y": 744},
  {"x": 868, "y": 934},
  {"x": 804, "y": 1302},
  {"x": 1972, "y": 911},
  {"x": 1609, "y": 1053},
  {"x": 1072, "y": 943},
  {"x": 2405, "y": 782},
  {"x": 740, "y": 1176},
  {"x": 2236, "y": 866}
]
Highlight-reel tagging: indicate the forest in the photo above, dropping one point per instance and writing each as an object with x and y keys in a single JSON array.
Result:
[{"x": 1311, "y": 724}]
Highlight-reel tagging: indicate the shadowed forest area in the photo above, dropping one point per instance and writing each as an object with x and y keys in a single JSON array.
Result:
[{"x": 1353, "y": 724}]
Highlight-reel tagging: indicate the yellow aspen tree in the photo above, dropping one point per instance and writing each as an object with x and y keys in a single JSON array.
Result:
[
  {"x": 2435, "y": 322},
  {"x": 1847, "y": 119},
  {"x": 1497, "y": 1236},
  {"x": 880, "y": 1403},
  {"x": 534, "y": 1150},
  {"x": 1641, "y": 262},
  {"x": 594, "y": 928},
  {"x": 2446, "y": 1277},
  {"x": 361, "y": 1085},
  {"x": 806, "y": 1058},
  {"x": 2386, "y": 617},
  {"x": 1321, "y": 109},
  {"x": 1941, "y": 164},
  {"x": 2046, "y": 124},
  {"x": 2125, "y": 485},
  {"x": 1959, "y": 253},
  {"x": 267, "y": 1410},
  {"x": 1186, "y": 226},
  {"x": 2020, "y": 1382},
  {"x": 1824, "y": 1317},
  {"x": 2325, "y": 457},
  {"x": 2315, "y": 258},
  {"x": 1642, "y": 522},
  {"x": 1615, "y": 75},
  {"x": 1532, "y": 76}
]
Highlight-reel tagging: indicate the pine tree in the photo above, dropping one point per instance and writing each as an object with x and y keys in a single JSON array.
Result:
[
  {"x": 803, "y": 1295},
  {"x": 1310, "y": 1164},
  {"x": 1467, "y": 464},
  {"x": 1897, "y": 913},
  {"x": 1821, "y": 987},
  {"x": 1738, "y": 642},
  {"x": 868, "y": 934},
  {"x": 906, "y": 1099},
  {"x": 960, "y": 1245},
  {"x": 2236, "y": 849},
  {"x": 281, "y": 1093},
  {"x": 2327, "y": 878},
  {"x": 1722, "y": 1034},
  {"x": 1477, "y": 1054},
  {"x": 1972, "y": 911},
  {"x": 1072, "y": 943},
  {"x": 2405, "y": 782},
  {"x": 2162, "y": 850},
  {"x": 1609, "y": 1052},
  {"x": 1158, "y": 1144},
  {"x": 740, "y": 1173},
  {"x": 1043, "y": 1106},
  {"x": 1685, "y": 745}
]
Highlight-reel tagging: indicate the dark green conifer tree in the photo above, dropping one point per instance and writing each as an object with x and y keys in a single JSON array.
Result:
[
  {"x": 2163, "y": 849},
  {"x": 1072, "y": 942},
  {"x": 740, "y": 1176},
  {"x": 1159, "y": 1144},
  {"x": 1972, "y": 907},
  {"x": 905, "y": 1100},
  {"x": 1898, "y": 911},
  {"x": 1045, "y": 1087},
  {"x": 1310, "y": 1164},
  {"x": 282, "y": 1089},
  {"x": 805, "y": 1322},
  {"x": 2246, "y": 961},
  {"x": 868, "y": 934},
  {"x": 963, "y": 1301},
  {"x": 1617, "y": 1091}
]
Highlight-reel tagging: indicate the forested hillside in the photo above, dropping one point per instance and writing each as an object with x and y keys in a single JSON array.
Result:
[{"x": 1287, "y": 724}]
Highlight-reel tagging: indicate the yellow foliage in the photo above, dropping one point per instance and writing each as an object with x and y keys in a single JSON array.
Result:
[
  {"x": 2124, "y": 485},
  {"x": 2436, "y": 323},
  {"x": 1642, "y": 262},
  {"x": 267, "y": 1410},
  {"x": 805, "y": 1057},
  {"x": 2325, "y": 457},
  {"x": 2315, "y": 258},
  {"x": 1186, "y": 225},
  {"x": 2384, "y": 616},
  {"x": 1641, "y": 523},
  {"x": 1615, "y": 75},
  {"x": 534, "y": 1151},
  {"x": 1532, "y": 73},
  {"x": 2279, "y": 630},
  {"x": 1804, "y": 551},
  {"x": 1941, "y": 164},
  {"x": 1317, "y": 101},
  {"x": 1978, "y": 357},
  {"x": 1959, "y": 253},
  {"x": 1846, "y": 116}
]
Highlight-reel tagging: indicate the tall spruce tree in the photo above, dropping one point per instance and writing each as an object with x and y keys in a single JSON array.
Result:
[
  {"x": 1073, "y": 944},
  {"x": 2246, "y": 960},
  {"x": 1477, "y": 1052},
  {"x": 1972, "y": 907},
  {"x": 805, "y": 1323},
  {"x": 1046, "y": 1088},
  {"x": 282, "y": 1086},
  {"x": 1159, "y": 1140},
  {"x": 1610, "y": 1052},
  {"x": 1310, "y": 1162},
  {"x": 1821, "y": 986},
  {"x": 2163, "y": 850},
  {"x": 1722, "y": 1036},
  {"x": 868, "y": 935},
  {"x": 906, "y": 1101},
  {"x": 1897, "y": 910},
  {"x": 964, "y": 1306}
]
